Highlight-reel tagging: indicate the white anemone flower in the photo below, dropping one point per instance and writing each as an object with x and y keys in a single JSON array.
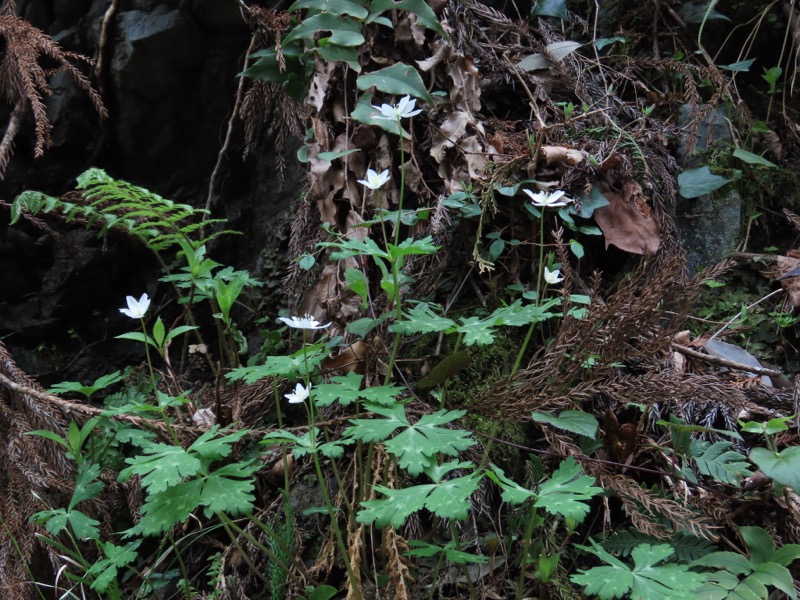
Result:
[
  {"x": 375, "y": 180},
  {"x": 306, "y": 322},
  {"x": 552, "y": 277},
  {"x": 299, "y": 395},
  {"x": 548, "y": 200},
  {"x": 136, "y": 308},
  {"x": 403, "y": 109}
]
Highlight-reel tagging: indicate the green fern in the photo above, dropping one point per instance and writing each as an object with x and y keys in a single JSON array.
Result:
[
  {"x": 109, "y": 203},
  {"x": 687, "y": 547}
]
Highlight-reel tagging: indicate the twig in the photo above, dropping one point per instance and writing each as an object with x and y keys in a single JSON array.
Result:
[
  {"x": 759, "y": 301},
  {"x": 11, "y": 131},
  {"x": 212, "y": 182},
  {"x": 723, "y": 362}
]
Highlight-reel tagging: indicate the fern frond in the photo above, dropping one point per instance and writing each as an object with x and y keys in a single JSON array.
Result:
[
  {"x": 687, "y": 547},
  {"x": 106, "y": 203}
]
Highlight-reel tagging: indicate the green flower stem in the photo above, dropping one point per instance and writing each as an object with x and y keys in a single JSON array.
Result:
[
  {"x": 402, "y": 185},
  {"x": 279, "y": 418},
  {"x": 182, "y": 564},
  {"x": 174, "y": 436},
  {"x": 526, "y": 547},
  {"x": 457, "y": 544}
]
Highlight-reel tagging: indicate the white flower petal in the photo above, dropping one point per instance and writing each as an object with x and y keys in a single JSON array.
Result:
[
  {"x": 552, "y": 277},
  {"x": 306, "y": 322},
  {"x": 299, "y": 395},
  {"x": 136, "y": 308}
]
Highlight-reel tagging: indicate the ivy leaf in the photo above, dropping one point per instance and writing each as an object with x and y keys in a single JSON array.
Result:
[
  {"x": 398, "y": 79},
  {"x": 565, "y": 491},
  {"x": 783, "y": 467},
  {"x": 646, "y": 580},
  {"x": 574, "y": 421}
]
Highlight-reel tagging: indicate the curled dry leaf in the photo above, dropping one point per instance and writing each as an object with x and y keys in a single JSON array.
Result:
[
  {"x": 791, "y": 285},
  {"x": 627, "y": 222},
  {"x": 559, "y": 154},
  {"x": 204, "y": 418}
]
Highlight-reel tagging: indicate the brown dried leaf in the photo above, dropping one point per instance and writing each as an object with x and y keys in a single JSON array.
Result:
[
  {"x": 559, "y": 154},
  {"x": 627, "y": 222},
  {"x": 783, "y": 265},
  {"x": 451, "y": 130}
]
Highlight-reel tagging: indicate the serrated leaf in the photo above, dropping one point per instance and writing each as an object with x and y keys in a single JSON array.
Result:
[
  {"x": 398, "y": 79},
  {"x": 693, "y": 183},
  {"x": 727, "y": 466},
  {"x": 161, "y": 466},
  {"x": 86, "y": 484},
  {"x": 395, "y": 508},
  {"x": 167, "y": 508},
  {"x": 83, "y": 526},
  {"x": 422, "y": 319},
  {"x": 228, "y": 490},
  {"x": 104, "y": 571},
  {"x": 450, "y": 499},
  {"x": 574, "y": 421},
  {"x": 513, "y": 493},
  {"x": 477, "y": 331},
  {"x": 783, "y": 467},
  {"x": 566, "y": 490}
]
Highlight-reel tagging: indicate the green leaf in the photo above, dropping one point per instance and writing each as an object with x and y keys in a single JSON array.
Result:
[
  {"x": 596, "y": 199},
  {"x": 603, "y": 42},
  {"x": 161, "y": 466},
  {"x": 783, "y": 467},
  {"x": 566, "y": 490},
  {"x": 357, "y": 283},
  {"x": 693, "y": 183},
  {"x": 332, "y": 53},
  {"x": 427, "y": 18},
  {"x": 445, "y": 369},
  {"x": 727, "y": 466},
  {"x": 334, "y": 155},
  {"x": 229, "y": 489},
  {"x": 293, "y": 366},
  {"x": 159, "y": 332},
  {"x": 774, "y": 575},
  {"x": 513, "y": 493},
  {"x": 344, "y": 31},
  {"x": 337, "y": 7},
  {"x": 86, "y": 486},
  {"x": 753, "y": 159},
  {"x": 306, "y": 261},
  {"x": 574, "y": 421},
  {"x": 742, "y": 65},
  {"x": 450, "y": 499},
  {"x": 396, "y": 507},
  {"x": 364, "y": 113},
  {"x": 398, "y": 79},
  {"x": 422, "y": 319},
  {"x": 411, "y": 246},
  {"x": 647, "y": 580},
  {"x": 83, "y": 526},
  {"x": 550, "y": 8},
  {"x": 167, "y": 508},
  {"x": 477, "y": 331},
  {"x": 104, "y": 572}
]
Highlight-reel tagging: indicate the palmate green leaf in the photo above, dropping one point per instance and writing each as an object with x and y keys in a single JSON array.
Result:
[
  {"x": 347, "y": 389},
  {"x": 210, "y": 447},
  {"x": 417, "y": 447},
  {"x": 646, "y": 581},
  {"x": 445, "y": 499},
  {"x": 104, "y": 571},
  {"x": 422, "y": 319},
  {"x": 477, "y": 331},
  {"x": 293, "y": 366},
  {"x": 86, "y": 484},
  {"x": 396, "y": 507},
  {"x": 723, "y": 464},
  {"x": 574, "y": 421},
  {"x": 167, "y": 508},
  {"x": 513, "y": 493},
  {"x": 161, "y": 466},
  {"x": 377, "y": 430},
  {"x": 566, "y": 490},
  {"x": 229, "y": 489}
]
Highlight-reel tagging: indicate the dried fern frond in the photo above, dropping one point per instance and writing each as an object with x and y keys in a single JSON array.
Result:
[{"x": 23, "y": 78}]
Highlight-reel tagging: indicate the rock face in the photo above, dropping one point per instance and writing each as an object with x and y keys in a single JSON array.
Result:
[
  {"x": 169, "y": 83},
  {"x": 709, "y": 226}
]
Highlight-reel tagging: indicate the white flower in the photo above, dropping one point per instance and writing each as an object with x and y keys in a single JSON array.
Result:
[
  {"x": 375, "y": 180},
  {"x": 136, "y": 308},
  {"x": 552, "y": 277},
  {"x": 306, "y": 322},
  {"x": 403, "y": 109},
  {"x": 299, "y": 395},
  {"x": 547, "y": 200}
]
